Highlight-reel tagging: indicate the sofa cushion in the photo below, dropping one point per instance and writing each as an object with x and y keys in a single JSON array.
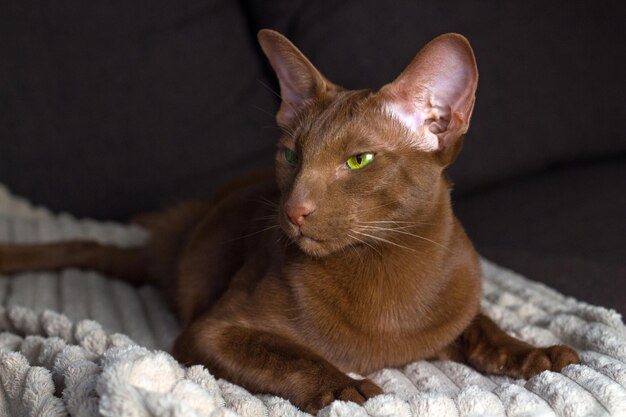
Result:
[
  {"x": 108, "y": 109},
  {"x": 565, "y": 227}
]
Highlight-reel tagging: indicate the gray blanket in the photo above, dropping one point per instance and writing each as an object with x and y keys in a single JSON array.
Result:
[{"x": 76, "y": 343}]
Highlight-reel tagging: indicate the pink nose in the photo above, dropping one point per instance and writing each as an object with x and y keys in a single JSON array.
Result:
[{"x": 298, "y": 212}]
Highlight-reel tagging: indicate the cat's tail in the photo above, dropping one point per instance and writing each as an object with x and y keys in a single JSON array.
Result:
[{"x": 128, "y": 264}]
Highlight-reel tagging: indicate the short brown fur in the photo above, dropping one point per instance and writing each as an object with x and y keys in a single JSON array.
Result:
[{"x": 377, "y": 272}]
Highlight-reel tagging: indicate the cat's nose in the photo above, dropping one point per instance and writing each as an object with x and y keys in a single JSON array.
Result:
[{"x": 297, "y": 213}]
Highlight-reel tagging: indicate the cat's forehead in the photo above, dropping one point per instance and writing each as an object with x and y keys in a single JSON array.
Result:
[
  {"x": 342, "y": 123},
  {"x": 332, "y": 120}
]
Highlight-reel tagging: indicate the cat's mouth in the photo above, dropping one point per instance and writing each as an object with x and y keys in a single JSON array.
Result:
[
  {"x": 310, "y": 244},
  {"x": 306, "y": 238}
]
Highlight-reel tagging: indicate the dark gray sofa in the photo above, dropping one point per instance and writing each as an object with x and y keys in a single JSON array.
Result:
[{"x": 108, "y": 109}]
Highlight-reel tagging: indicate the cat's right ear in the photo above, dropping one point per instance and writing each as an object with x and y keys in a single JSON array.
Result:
[
  {"x": 434, "y": 96},
  {"x": 299, "y": 80}
]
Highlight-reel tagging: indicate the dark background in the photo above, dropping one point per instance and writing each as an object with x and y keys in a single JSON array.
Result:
[{"x": 112, "y": 108}]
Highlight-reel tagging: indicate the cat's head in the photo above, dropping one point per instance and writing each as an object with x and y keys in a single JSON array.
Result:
[{"x": 354, "y": 164}]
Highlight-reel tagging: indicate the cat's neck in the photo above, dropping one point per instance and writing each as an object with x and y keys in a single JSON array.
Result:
[{"x": 392, "y": 288}]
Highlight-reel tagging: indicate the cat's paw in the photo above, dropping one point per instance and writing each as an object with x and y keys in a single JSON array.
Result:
[
  {"x": 561, "y": 356},
  {"x": 348, "y": 389},
  {"x": 528, "y": 362}
]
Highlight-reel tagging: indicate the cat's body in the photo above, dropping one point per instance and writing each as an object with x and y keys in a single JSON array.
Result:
[
  {"x": 350, "y": 259},
  {"x": 390, "y": 306}
]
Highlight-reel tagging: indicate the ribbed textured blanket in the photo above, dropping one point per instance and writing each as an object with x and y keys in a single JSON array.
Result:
[{"x": 76, "y": 343}]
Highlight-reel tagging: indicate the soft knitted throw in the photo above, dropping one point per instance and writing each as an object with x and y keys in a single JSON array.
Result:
[{"x": 76, "y": 343}]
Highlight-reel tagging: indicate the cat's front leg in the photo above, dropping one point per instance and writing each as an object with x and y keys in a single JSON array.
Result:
[
  {"x": 264, "y": 362},
  {"x": 489, "y": 349}
]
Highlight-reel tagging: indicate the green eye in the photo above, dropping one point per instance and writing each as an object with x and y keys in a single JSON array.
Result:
[
  {"x": 359, "y": 160},
  {"x": 291, "y": 157}
]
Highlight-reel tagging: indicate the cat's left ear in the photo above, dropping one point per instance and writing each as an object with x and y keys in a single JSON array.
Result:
[
  {"x": 300, "y": 82},
  {"x": 434, "y": 96}
]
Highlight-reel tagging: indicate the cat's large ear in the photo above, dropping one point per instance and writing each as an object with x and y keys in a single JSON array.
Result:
[
  {"x": 299, "y": 80},
  {"x": 434, "y": 95}
]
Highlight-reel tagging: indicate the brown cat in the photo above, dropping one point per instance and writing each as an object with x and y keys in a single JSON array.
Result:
[{"x": 350, "y": 260}]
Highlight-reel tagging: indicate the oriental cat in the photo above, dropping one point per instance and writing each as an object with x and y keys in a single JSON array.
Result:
[{"x": 348, "y": 258}]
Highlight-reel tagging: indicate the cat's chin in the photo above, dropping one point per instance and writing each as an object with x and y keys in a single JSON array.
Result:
[{"x": 312, "y": 246}]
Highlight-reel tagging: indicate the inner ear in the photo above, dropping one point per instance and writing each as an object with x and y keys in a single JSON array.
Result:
[
  {"x": 299, "y": 80},
  {"x": 434, "y": 95}
]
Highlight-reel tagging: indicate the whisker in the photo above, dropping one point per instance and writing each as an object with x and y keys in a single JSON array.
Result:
[
  {"x": 276, "y": 94},
  {"x": 396, "y": 221},
  {"x": 386, "y": 204},
  {"x": 386, "y": 228},
  {"x": 263, "y": 110},
  {"x": 254, "y": 233},
  {"x": 264, "y": 218},
  {"x": 409, "y": 234},
  {"x": 280, "y": 238},
  {"x": 267, "y": 202},
  {"x": 290, "y": 131},
  {"x": 269, "y": 216},
  {"x": 365, "y": 243},
  {"x": 384, "y": 240}
]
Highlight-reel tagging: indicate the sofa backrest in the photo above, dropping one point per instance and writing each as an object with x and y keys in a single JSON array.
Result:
[
  {"x": 113, "y": 108},
  {"x": 551, "y": 86}
]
